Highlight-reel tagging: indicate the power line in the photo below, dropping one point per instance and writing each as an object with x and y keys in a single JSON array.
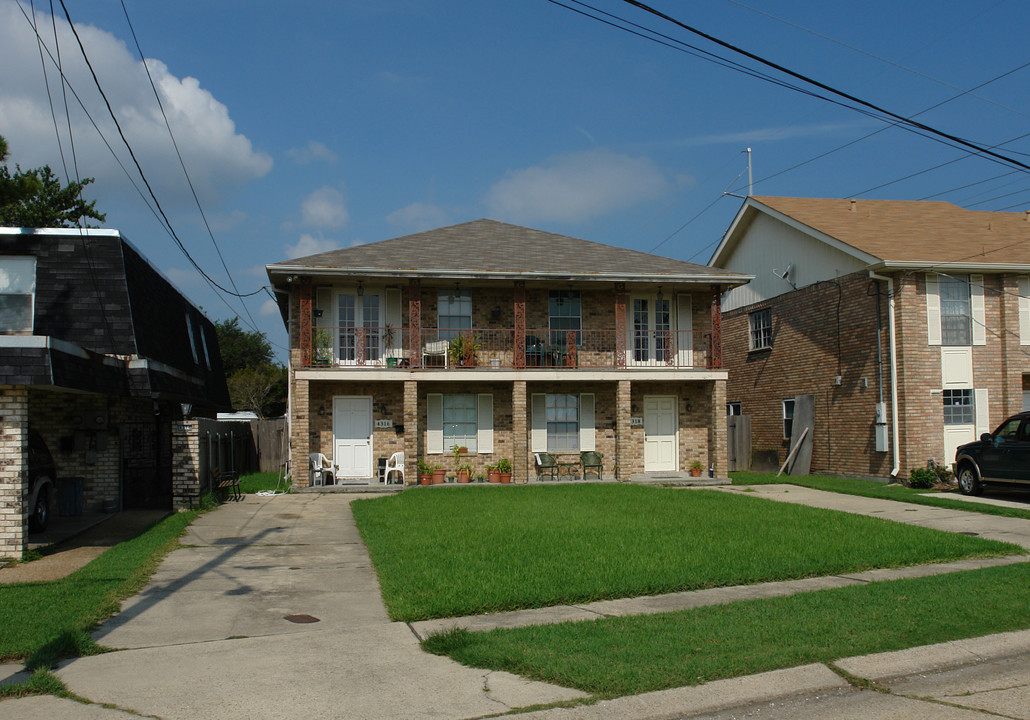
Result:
[{"x": 908, "y": 122}]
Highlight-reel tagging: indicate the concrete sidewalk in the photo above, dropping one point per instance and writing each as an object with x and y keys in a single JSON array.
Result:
[{"x": 209, "y": 636}]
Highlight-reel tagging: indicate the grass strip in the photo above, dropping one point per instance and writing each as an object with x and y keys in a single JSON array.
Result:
[
  {"x": 630, "y": 655},
  {"x": 262, "y": 482},
  {"x": 874, "y": 489},
  {"x": 44, "y": 621},
  {"x": 444, "y": 552}
]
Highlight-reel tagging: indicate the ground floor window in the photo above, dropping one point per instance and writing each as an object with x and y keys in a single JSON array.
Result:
[
  {"x": 562, "y": 423},
  {"x": 788, "y": 418},
  {"x": 958, "y": 407},
  {"x": 459, "y": 421}
]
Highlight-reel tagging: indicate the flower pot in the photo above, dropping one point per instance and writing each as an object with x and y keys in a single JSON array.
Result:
[
  {"x": 439, "y": 476},
  {"x": 695, "y": 472},
  {"x": 505, "y": 478},
  {"x": 425, "y": 479},
  {"x": 463, "y": 476},
  {"x": 493, "y": 476}
]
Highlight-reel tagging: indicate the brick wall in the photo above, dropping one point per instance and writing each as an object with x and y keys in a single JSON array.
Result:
[
  {"x": 186, "y": 475},
  {"x": 811, "y": 347},
  {"x": 14, "y": 438}
]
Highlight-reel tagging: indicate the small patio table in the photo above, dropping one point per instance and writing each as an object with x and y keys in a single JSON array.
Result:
[{"x": 567, "y": 464}]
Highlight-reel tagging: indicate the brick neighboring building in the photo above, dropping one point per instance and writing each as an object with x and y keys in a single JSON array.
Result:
[
  {"x": 849, "y": 295},
  {"x": 579, "y": 346},
  {"x": 98, "y": 355}
]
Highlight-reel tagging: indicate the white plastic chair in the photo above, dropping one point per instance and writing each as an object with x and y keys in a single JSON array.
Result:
[
  {"x": 394, "y": 465},
  {"x": 437, "y": 348},
  {"x": 320, "y": 467}
]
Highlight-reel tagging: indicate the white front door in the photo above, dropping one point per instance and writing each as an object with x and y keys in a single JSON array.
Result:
[
  {"x": 955, "y": 435},
  {"x": 660, "y": 423},
  {"x": 352, "y": 437}
]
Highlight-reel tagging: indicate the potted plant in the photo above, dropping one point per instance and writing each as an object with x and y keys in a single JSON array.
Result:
[
  {"x": 321, "y": 347},
  {"x": 425, "y": 471},
  {"x": 462, "y": 350},
  {"x": 439, "y": 474},
  {"x": 695, "y": 468},
  {"x": 493, "y": 473},
  {"x": 464, "y": 471},
  {"x": 480, "y": 477},
  {"x": 504, "y": 468}
]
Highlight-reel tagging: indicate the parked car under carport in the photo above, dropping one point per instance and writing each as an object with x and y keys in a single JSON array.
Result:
[{"x": 42, "y": 487}]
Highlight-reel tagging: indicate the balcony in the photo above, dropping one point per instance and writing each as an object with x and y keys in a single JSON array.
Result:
[{"x": 492, "y": 348}]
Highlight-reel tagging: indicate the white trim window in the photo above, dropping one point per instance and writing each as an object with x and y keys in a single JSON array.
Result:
[
  {"x": 562, "y": 423},
  {"x": 17, "y": 292},
  {"x": 454, "y": 313},
  {"x": 959, "y": 407},
  {"x": 460, "y": 426},
  {"x": 565, "y": 312},
  {"x": 788, "y": 418},
  {"x": 760, "y": 326},
  {"x": 956, "y": 310}
]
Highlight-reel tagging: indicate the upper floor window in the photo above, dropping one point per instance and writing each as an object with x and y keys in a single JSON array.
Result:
[
  {"x": 454, "y": 313},
  {"x": 193, "y": 341},
  {"x": 956, "y": 314},
  {"x": 17, "y": 288},
  {"x": 565, "y": 312},
  {"x": 760, "y": 323}
]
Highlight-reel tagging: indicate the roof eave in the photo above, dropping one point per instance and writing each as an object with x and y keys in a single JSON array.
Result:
[{"x": 958, "y": 266}]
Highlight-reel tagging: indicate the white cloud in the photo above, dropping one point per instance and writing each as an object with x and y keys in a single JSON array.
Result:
[
  {"x": 417, "y": 217},
  {"x": 269, "y": 308},
  {"x": 309, "y": 245},
  {"x": 324, "y": 208},
  {"x": 576, "y": 187},
  {"x": 770, "y": 134},
  {"x": 312, "y": 152},
  {"x": 217, "y": 157}
]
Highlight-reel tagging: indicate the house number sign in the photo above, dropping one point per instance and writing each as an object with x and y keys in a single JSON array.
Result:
[{"x": 384, "y": 423}]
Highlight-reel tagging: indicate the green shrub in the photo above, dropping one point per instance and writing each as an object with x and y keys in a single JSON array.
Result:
[{"x": 922, "y": 478}]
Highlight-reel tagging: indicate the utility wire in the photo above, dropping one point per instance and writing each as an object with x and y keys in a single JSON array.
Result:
[
  {"x": 182, "y": 164},
  {"x": 908, "y": 122}
]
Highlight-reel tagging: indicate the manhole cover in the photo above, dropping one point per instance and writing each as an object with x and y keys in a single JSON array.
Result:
[{"x": 301, "y": 618}]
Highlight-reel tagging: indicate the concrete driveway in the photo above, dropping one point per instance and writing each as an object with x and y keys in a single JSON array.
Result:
[{"x": 209, "y": 636}]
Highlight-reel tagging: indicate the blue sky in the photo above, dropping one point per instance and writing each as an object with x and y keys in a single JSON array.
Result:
[{"x": 307, "y": 127}]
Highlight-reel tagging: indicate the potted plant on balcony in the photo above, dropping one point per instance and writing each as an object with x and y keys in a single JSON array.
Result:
[
  {"x": 695, "y": 468},
  {"x": 462, "y": 350},
  {"x": 321, "y": 347},
  {"x": 425, "y": 471},
  {"x": 504, "y": 468}
]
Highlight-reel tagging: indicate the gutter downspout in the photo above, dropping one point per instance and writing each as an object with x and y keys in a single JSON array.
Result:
[{"x": 894, "y": 369}]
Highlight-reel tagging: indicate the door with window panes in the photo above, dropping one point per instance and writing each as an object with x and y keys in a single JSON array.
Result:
[{"x": 359, "y": 334}]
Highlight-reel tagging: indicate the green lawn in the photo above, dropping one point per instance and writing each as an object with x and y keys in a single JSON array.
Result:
[
  {"x": 261, "y": 482},
  {"x": 621, "y": 656},
  {"x": 446, "y": 552},
  {"x": 43, "y": 621},
  {"x": 871, "y": 488}
]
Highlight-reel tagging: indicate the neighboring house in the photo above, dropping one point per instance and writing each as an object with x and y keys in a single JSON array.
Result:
[
  {"x": 99, "y": 355},
  {"x": 507, "y": 341},
  {"x": 908, "y": 323}
]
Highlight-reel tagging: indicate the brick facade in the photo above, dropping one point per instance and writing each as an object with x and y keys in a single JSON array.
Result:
[
  {"x": 14, "y": 475},
  {"x": 829, "y": 329}
]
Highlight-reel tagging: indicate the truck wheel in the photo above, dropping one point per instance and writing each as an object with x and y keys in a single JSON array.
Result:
[{"x": 968, "y": 482}]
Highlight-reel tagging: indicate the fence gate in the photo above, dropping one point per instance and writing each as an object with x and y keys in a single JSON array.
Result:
[
  {"x": 738, "y": 442},
  {"x": 146, "y": 450}
]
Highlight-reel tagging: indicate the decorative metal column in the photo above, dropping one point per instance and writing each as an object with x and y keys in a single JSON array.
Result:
[
  {"x": 415, "y": 322},
  {"x": 305, "y": 322},
  {"x": 715, "y": 358},
  {"x": 520, "y": 323},
  {"x": 620, "y": 325}
]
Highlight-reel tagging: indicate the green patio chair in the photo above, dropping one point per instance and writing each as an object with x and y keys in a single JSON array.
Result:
[
  {"x": 546, "y": 465},
  {"x": 590, "y": 459}
]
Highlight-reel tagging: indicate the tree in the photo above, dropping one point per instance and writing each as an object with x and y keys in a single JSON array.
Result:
[
  {"x": 36, "y": 198},
  {"x": 256, "y": 382}
]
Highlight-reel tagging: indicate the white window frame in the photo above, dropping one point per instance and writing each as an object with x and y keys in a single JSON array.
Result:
[
  {"x": 564, "y": 298},
  {"x": 18, "y": 281},
  {"x": 964, "y": 398},
  {"x": 788, "y": 420},
  {"x": 759, "y": 332},
  {"x": 961, "y": 287},
  {"x": 539, "y": 436},
  {"x": 456, "y": 306},
  {"x": 438, "y": 444},
  {"x": 467, "y": 440}
]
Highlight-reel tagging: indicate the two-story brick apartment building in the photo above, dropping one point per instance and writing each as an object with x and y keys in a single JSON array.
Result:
[
  {"x": 507, "y": 341},
  {"x": 907, "y": 322}
]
